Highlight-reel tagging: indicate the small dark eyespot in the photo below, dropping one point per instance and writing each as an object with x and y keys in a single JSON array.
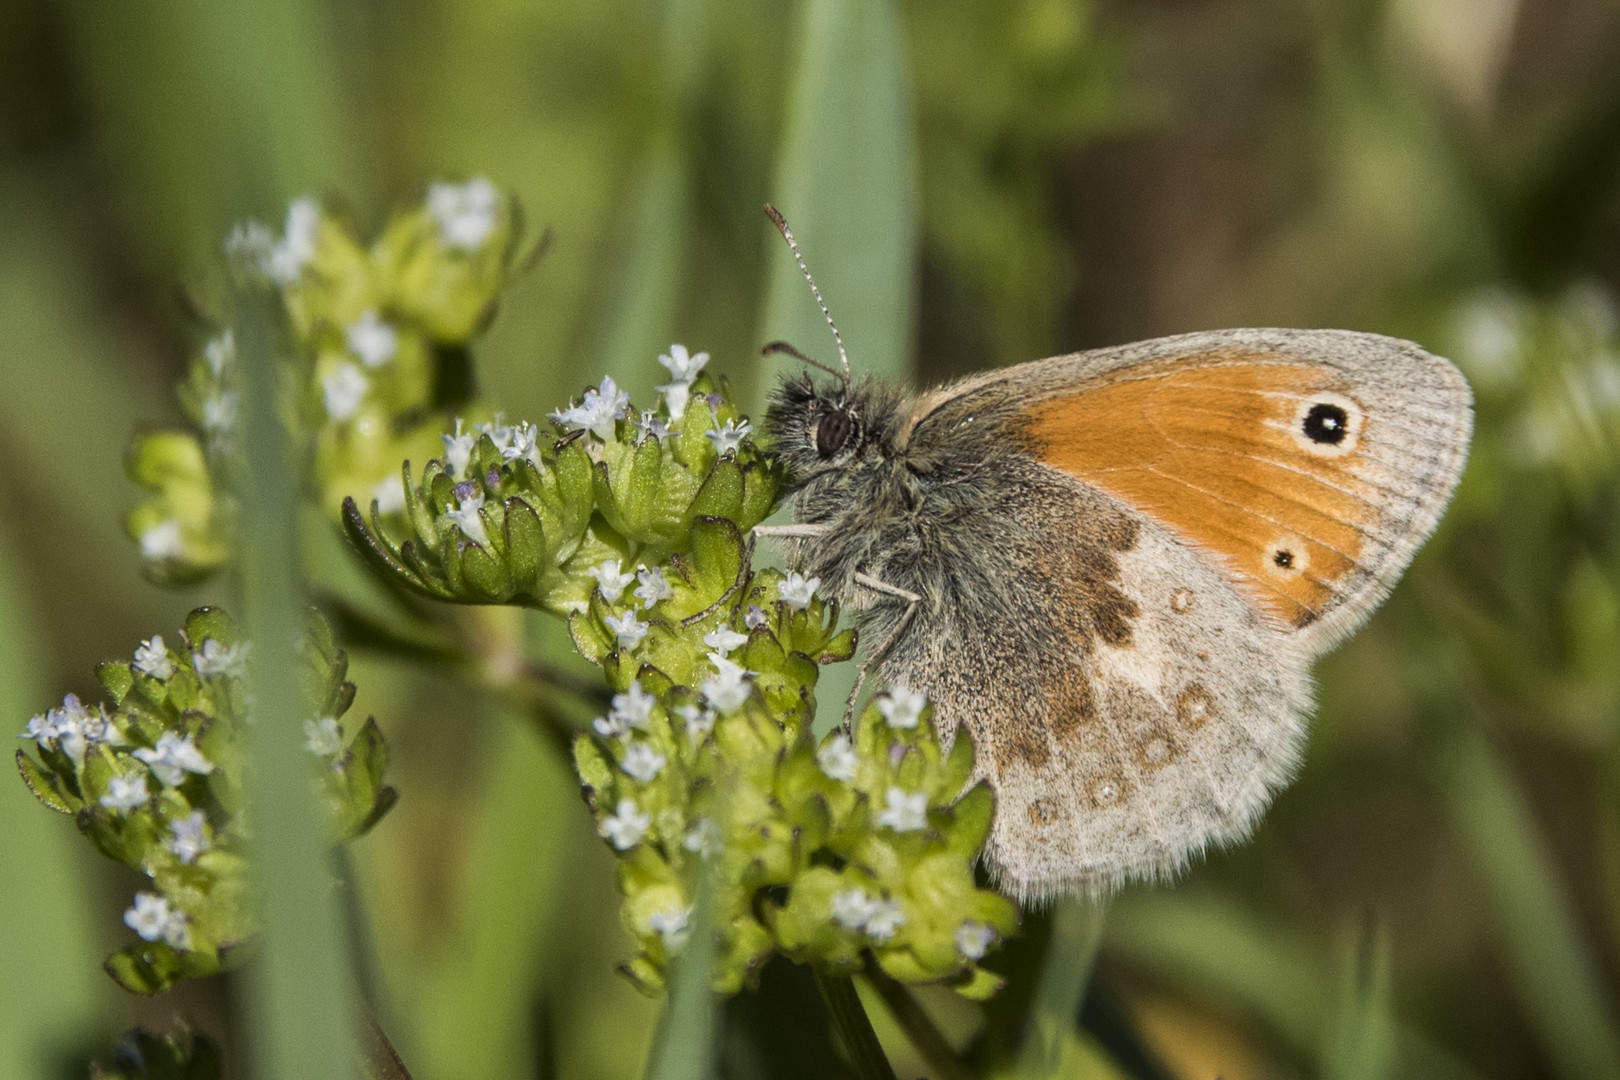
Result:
[
  {"x": 1284, "y": 558},
  {"x": 833, "y": 432},
  {"x": 1326, "y": 423}
]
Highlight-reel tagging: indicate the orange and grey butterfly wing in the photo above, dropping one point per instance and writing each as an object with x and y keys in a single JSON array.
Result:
[
  {"x": 1308, "y": 465},
  {"x": 1179, "y": 526}
]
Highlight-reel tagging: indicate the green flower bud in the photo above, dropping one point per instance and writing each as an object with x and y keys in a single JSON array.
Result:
[
  {"x": 156, "y": 784},
  {"x": 444, "y": 263},
  {"x": 182, "y": 530}
]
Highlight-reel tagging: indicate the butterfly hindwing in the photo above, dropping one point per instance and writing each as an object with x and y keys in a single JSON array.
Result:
[{"x": 1125, "y": 703}]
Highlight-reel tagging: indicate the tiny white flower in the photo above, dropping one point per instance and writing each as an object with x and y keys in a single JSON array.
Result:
[
  {"x": 674, "y": 926},
  {"x": 466, "y": 213},
  {"x": 611, "y": 726},
  {"x": 212, "y": 658},
  {"x": 627, "y": 825},
  {"x": 162, "y": 541},
  {"x": 521, "y": 443},
  {"x": 641, "y": 762},
  {"x": 796, "y": 590},
  {"x": 188, "y": 840},
  {"x": 627, "y": 629},
  {"x": 885, "y": 919},
  {"x": 682, "y": 365},
  {"x": 727, "y": 689},
  {"x": 727, "y": 439},
  {"x": 173, "y": 757},
  {"x": 249, "y": 245},
  {"x": 907, "y": 811},
  {"x": 466, "y": 517},
  {"x": 837, "y": 758},
  {"x": 374, "y": 341},
  {"x": 153, "y": 659},
  {"x": 220, "y": 353},
  {"x": 597, "y": 412},
  {"x": 852, "y": 908},
  {"x": 653, "y": 587},
  {"x": 69, "y": 725},
  {"x": 458, "y": 450},
  {"x": 704, "y": 838},
  {"x": 93, "y": 727},
  {"x": 973, "y": 939},
  {"x": 125, "y": 793},
  {"x": 634, "y": 707},
  {"x": 323, "y": 737},
  {"x": 755, "y": 618},
  {"x": 149, "y": 916},
  {"x": 724, "y": 640},
  {"x": 177, "y": 933},
  {"x": 699, "y": 722},
  {"x": 285, "y": 262},
  {"x": 389, "y": 495},
  {"x": 40, "y": 730},
  {"x": 902, "y": 706},
  {"x": 610, "y": 580},
  {"x": 219, "y": 412},
  {"x": 343, "y": 391},
  {"x": 499, "y": 432},
  {"x": 650, "y": 427},
  {"x": 676, "y": 395}
]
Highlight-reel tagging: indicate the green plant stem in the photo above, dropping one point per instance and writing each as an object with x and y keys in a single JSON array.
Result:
[
  {"x": 854, "y": 1027},
  {"x": 1076, "y": 933},
  {"x": 918, "y": 1026}
]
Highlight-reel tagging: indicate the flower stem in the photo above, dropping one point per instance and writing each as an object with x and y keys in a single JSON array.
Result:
[
  {"x": 854, "y": 1028},
  {"x": 918, "y": 1026}
]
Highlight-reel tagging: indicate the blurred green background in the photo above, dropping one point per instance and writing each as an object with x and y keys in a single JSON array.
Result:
[{"x": 975, "y": 183}]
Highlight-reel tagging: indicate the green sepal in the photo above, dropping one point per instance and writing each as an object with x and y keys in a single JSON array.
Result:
[
  {"x": 148, "y": 967},
  {"x": 368, "y": 798},
  {"x": 972, "y": 816},
  {"x": 958, "y": 764},
  {"x": 46, "y": 786},
  {"x": 117, "y": 678},
  {"x": 979, "y": 984},
  {"x": 210, "y": 622}
]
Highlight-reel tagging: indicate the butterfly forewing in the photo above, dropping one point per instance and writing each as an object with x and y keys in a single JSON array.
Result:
[{"x": 1309, "y": 465}]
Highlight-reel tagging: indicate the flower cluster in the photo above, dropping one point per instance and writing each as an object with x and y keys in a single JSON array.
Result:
[
  {"x": 634, "y": 526},
  {"x": 156, "y": 784},
  {"x": 513, "y": 515},
  {"x": 380, "y": 335}
]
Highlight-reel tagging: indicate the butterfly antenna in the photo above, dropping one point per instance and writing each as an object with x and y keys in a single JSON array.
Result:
[
  {"x": 787, "y": 234},
  {"x": 783, "y": 347}
]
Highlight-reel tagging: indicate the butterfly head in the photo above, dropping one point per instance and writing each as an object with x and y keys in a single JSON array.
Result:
[{"x": 823, "y": 431}]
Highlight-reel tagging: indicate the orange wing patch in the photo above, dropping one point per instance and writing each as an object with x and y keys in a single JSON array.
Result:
[{"x": 1256, "y": 461}]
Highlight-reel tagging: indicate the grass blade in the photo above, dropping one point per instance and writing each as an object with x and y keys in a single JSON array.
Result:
[
  {"x": 1557, "y": 980},
  {"x": 1361, "y": 1034},
  {"x": 846, "y": 181},
  {"x": 1076, "y": 933},
  {"x": 299, "y": 990}
]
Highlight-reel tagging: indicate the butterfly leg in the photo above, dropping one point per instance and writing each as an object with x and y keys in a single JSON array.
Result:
[
  {"x": 876, "y": 656},
  {"x": 790, "y": 530}
]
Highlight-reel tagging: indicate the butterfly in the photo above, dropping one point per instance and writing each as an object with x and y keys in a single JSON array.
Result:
[{"x": 1115, "y": 568}]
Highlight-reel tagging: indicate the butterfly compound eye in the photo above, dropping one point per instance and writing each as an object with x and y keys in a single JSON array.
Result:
[{"x": 833, "y": 432}]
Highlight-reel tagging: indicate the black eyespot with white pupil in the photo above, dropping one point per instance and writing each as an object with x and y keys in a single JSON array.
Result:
[
  {"x": 833, "y": 431},
  {"x": 1326, "y": 423}
]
